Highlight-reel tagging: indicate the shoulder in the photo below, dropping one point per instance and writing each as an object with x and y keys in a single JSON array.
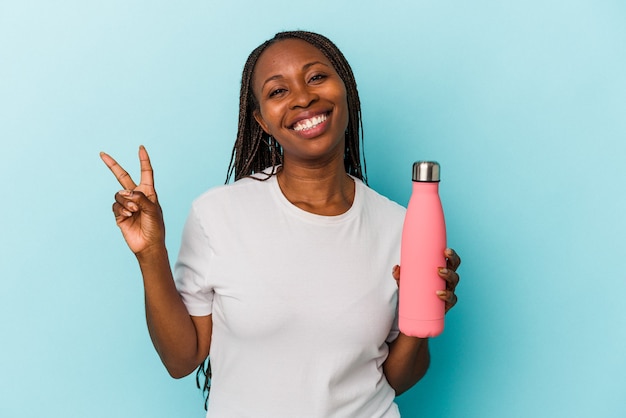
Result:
[
  {"x": 242, "y": 192},
  {"x": 380, "y": 204},
  {"x": 236, "y": 199}
]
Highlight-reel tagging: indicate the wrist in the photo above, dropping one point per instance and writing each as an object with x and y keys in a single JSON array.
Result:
[{"x": 152, "y": 254}]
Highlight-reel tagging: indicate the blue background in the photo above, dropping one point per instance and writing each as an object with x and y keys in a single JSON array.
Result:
[{"x": 523, "y": 104}]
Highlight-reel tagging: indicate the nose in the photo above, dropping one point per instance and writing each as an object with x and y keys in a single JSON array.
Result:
[{"x": 302, "y": 96}]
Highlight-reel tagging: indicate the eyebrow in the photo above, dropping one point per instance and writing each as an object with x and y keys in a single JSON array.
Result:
[{"x": 304, "y": 67}]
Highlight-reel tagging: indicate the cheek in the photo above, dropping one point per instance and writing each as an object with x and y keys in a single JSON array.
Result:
[
  {"x": 267, "y": 118},
  {"x": 271, "y": 112},
  {"x": 346, "y": 114},
  {"x": 342, "y": 98}
]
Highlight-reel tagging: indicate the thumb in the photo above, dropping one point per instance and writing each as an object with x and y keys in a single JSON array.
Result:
[
  {"x": 137, "y": 201},
  {"x": 396, "y": 274}
]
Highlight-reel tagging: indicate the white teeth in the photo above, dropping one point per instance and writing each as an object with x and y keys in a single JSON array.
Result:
[{"x": 309, "y": 123}]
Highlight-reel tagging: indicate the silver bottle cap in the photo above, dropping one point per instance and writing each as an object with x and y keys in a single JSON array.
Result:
[{"x": 426, "y": 171}]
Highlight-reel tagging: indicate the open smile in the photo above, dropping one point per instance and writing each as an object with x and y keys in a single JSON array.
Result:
[{"x": 310, "y": 123}]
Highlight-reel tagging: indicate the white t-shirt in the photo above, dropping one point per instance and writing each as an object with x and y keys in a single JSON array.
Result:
[{"x": 302, "y": 304}]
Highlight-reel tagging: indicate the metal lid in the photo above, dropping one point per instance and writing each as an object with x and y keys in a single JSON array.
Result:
[{"x": 426, "y": 171}]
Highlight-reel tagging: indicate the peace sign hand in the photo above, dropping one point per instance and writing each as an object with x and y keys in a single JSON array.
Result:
[{"x": 136, "y": 208}]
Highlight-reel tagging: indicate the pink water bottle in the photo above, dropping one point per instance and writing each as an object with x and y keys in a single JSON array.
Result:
[{"x": 421, "y": 312}]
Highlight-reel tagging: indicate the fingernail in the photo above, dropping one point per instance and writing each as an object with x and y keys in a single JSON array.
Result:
[
  {"x": 443, "y": 271},
  {"x": 132, "y": 206},
  {"x": 125, "y": 192},
  {"x": 441, "y": 292}
]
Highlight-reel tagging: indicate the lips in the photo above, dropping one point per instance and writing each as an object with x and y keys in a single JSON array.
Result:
[{"x": 307, "y": 123}]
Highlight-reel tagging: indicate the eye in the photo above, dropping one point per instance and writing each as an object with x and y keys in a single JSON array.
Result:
[
  {"x": 276, "y": 92},
  {"x": 317, "y": 78}
]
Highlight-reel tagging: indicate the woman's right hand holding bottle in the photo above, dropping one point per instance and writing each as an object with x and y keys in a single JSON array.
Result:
[{"x": 136, "y": 208}]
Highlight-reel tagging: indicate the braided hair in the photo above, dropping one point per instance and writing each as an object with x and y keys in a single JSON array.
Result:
[{"x": 255, "y": 150}]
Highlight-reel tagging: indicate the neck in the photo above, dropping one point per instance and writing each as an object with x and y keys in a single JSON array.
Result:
[{"x": 324, "y": 190}]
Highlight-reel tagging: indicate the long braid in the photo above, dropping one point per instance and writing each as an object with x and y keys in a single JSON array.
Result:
[
  {"x": 204, "y": 373},
  {"x": 254, "y": 150}
]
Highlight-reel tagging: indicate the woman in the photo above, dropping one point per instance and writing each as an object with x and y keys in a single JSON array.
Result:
[{"x": 283, "y": 276}]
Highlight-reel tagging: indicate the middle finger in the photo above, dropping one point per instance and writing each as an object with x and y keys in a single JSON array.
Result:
[{"x": 451, "y": 277}]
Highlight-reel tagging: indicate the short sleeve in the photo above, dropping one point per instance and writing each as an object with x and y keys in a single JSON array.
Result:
[{"x": 192, "y": 268}]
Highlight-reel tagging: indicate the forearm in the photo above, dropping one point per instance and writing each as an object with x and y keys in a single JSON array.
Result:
[
  {"x": 407, "y": 362},
  {"x": 171, "y": 329}
]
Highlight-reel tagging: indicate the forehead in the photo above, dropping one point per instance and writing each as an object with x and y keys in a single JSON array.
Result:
[{"x": 287, "y": 54}]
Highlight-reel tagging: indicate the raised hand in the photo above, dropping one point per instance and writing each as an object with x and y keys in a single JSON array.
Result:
[{"x": 136, "y": 208}]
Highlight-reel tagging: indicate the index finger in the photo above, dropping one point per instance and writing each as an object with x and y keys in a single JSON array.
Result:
[
  {"x": 120, "y": 174},
  {"x": 452, "y": 259},
  {"x": 147, "y": 174}
]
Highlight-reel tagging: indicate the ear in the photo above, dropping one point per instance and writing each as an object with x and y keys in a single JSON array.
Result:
[{"x": 261, "y": 121}]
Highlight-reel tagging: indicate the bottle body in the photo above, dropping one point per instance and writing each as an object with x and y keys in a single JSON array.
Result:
[{"x": 421, "y": 312}]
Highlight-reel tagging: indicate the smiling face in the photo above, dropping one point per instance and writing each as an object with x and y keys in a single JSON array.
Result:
[{"x": 302, "y": 101}]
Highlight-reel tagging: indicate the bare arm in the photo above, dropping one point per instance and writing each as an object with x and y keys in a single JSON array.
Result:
[
  {"x": 407, "y": 362},
  {"x": 182, "y": 341},
  {"x": 409, "y": 357}
]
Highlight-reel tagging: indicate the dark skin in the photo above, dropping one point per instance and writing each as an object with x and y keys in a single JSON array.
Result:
[
  {"x": 409, "y": 357},
  {"x": 182, "y": 341},
  {"x": 302, "y": 103}
]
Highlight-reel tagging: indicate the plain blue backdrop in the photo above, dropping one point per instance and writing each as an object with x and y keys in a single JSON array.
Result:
[{"x": 522, "y": 102}]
